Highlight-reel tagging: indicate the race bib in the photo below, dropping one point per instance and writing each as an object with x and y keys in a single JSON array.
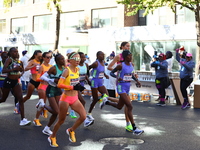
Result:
[
  {"x": 82, "y": 77},
  {"x": 127, "y": 77},
  {"x": 73, "y": 82},
  {"x": 101, "y": 74}
]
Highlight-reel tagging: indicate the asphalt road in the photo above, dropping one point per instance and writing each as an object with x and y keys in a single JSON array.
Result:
[{"x": 166, "y": 128}]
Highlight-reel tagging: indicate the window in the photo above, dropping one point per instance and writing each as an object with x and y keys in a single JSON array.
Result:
[
  {"x": 75, "y": 20},
  {"x": 1, "y": 4},
  {"x": 19, "y": 25},
  {"x": 104, "y": 17},
  {"x": 141, "y": 18},
  {"x": 38, "y": 1},
  {"x": 162, "y": 16},
  {"x": 184, "y": 15},
  {"x": 3, "y": 26},
  {"x": 42, "y": 23},
  {"x": 21, "y": 2}
]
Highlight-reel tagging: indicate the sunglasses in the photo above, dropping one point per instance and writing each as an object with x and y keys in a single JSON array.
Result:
[
  {"x": 76, "y": 58},
  {"x": 48, "y": 57}
]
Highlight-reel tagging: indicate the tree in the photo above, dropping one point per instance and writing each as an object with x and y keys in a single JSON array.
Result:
[
  {"x": 133, "y": 6},
  {"x": 57, "y": 6},
  {"x": 51, "y": 4}
]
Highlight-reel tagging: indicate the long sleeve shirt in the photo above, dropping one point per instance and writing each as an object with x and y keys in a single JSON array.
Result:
[
  {"x": 186, "y": 67},
  {"x": 161, "y": 68}
]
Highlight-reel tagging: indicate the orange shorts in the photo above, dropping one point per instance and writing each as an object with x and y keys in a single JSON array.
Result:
[
  {"x": 69, "y": 99},
  {"x": 42, "y": 87}
]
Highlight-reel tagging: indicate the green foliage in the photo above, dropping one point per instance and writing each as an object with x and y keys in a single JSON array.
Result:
[
  {"x": 7, "y": 3},
  {"x": 133, "y": 6},
  {"x": 54, "y": 3}
]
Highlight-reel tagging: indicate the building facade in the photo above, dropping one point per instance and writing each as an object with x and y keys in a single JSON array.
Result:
[{"x": 90, "y": 26}]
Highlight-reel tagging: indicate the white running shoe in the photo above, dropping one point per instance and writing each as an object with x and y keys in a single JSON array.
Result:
[
  {"x": 138, "y": 131},
  {"x": 90, "y": 117},
  {"x": 88, "y": 122},
  {"x": 40, "y": 104},
  {"x": 47, "y": 131},
  {"x": 24, "y": 122},
  {"x": 103, "y": 102}
]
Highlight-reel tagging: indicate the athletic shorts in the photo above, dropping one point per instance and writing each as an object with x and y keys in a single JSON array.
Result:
[
  {"x": 123, "y": 87},
  {"x": 42, "y": 87},
  {"x": 36, "y": 84},
  {"x": 96, "y": 82},
  {"x": 52, "y": 91},
  {"x": 10, "y": 83},
  {"x": 69, "y": 99}
]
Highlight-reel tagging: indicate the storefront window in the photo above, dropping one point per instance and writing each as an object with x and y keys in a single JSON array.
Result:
[
  {"x": 19, "y": 25},
  {"x": 104, "y": 17},
  {"x": 143, "y": 52},
  {"x": 42, "y": 23},
  {"x": 73, "y": 20},
  {"x": 3, "y": 26}
]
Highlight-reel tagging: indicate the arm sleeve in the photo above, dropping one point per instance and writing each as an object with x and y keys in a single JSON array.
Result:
[
  {"x": 112, "y": 73},
  {"x": 62, "y": 85}
]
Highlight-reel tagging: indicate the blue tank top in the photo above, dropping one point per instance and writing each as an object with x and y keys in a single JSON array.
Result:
[
  {"x": 98, "y": 72},
  {"x": 82, "y": 72},
  {"x": 126, "y": 72},
  {"x": 58, "y": 72}
]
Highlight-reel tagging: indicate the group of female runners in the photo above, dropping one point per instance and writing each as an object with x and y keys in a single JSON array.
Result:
[{"x": 62, "y": 86}]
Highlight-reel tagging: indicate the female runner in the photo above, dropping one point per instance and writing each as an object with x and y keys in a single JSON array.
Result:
[
  {"x": 13, "y": 67},
  {"x": 69, "y": 81}
]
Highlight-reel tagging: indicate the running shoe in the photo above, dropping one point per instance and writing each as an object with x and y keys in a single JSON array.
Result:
[
  {"x": 18, "y": 109},
  {"x": 138, "y": 131},
  {"x": 90, "y": 117},
  {"x": 15, "y": 110},
  {"x": 25, "y": 122},
  {"x": 52, "y": 142},
  {"x": 102, "y": 100},
  {"x": 45, "y": 113},
  {"x": 185, "y": 105},
  {"x": 40, "y": 104},
  {"x": 129, "y": 128},
  {"x": 71, "y": 134},
  {"x": 72, "y": 114},
  {"x": 103, "y": 103},
  {"x": 161, "y": 103},
  {"x": 88, "y": 122},
  {"x": 37, "y": 123},
  {"x": 47, "y": 131}
]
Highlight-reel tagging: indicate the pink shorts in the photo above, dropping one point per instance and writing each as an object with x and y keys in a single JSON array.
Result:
[
  {"x": 42, "y": 87},
  {"x": 69, "y": 99}
]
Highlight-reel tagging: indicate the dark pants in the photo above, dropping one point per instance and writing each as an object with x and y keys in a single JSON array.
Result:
[
  {"x": 183, "y": 86},
  {"x": 112, "y": 93},
  {"x": 160, "y": 85}
]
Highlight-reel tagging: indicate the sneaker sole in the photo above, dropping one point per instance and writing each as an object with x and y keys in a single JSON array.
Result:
[
  {"x": 69, "y": 136},
  {"x": 50, "y": 142},
  {"x": 46, "y": 133},
  {"x": 139, "y": 133},
  {"x": 36, "y": 124},
  {"x": 91, "y": 123},
  {"x": 130, "y": 131},
  {"x": 28, "y": 124}
]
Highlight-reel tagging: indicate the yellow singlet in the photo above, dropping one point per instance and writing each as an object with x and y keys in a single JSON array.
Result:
[{"x": 73, "y": 77}]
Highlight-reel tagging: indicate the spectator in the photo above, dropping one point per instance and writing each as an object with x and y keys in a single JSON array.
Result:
[
  {"x": 25, "y": 78},
  {"x": 161, "y": 70},
  {"x": 186, "y": 75}
]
